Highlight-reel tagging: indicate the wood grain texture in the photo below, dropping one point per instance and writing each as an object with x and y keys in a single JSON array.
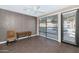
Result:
[{"x": 38, "y": 44}]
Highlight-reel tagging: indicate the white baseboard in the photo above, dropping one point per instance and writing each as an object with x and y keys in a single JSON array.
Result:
[
  {"x": 26, "y": 37},
  {"x": 3, "y": 42},
  {"x": 19, "y": 38}
]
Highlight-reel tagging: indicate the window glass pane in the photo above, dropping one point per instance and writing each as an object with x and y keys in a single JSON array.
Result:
[
  {"x": 52, "y": 36},
  {"x": 52, "y": 26},
  {"x": 43, "y": 20},
  {"x": 43, "y": 24},
  {"x": 42, "y": 27},
  {"x": 42, "y": 34}
]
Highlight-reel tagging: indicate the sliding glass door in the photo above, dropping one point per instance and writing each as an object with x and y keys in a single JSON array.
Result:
[
  {"x": 69, "y": 27},
  {"x": 52, "y": 27},
  {"x": 49, "y": 27},
  {"x": 43, "y": 26}
]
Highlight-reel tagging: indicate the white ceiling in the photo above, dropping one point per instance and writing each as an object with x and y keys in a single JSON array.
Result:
[{"x": 33, "y": 10}]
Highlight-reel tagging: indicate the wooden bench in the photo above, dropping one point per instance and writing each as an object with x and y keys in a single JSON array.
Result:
[{"x": 23, "y": 34}]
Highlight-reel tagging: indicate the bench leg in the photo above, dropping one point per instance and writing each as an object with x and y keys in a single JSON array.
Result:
[{"x": 13, "y": 42}]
